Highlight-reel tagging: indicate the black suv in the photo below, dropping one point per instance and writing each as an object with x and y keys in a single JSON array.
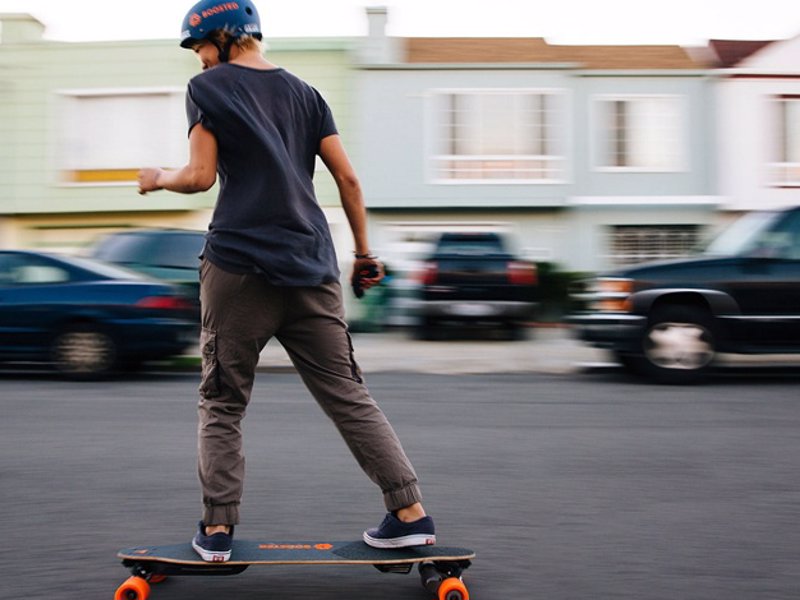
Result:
[
  {"x": 669, "y": 320},
  {"x": 167, "y": 254}
]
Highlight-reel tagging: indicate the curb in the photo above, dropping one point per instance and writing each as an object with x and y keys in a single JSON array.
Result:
[{"x": 548, "y": 348}]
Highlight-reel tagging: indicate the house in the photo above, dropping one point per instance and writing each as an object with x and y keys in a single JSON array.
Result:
[
  {"x": 587, "y": 156},
  {"x": 77, "y": 121},
  {"x": 758, "y": 119}
]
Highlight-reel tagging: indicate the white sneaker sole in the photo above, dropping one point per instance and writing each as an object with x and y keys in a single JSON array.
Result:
[
  {"x": 213, "y": 557},
  {"x": 400, "y": 542}
]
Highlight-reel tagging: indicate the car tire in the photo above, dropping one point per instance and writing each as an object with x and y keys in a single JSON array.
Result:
[
  {"x": 84, "y": 352},
  {"x": 678, "y": 345}
]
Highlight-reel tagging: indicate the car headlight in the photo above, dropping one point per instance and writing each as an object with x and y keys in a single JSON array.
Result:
[{"x": 612, "y": 294}]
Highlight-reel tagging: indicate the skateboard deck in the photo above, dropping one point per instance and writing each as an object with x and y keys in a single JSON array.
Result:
[{"x": 440, "y": 567}]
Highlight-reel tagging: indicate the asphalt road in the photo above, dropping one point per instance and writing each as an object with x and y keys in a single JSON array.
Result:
[{"x": 580, "y": 486}]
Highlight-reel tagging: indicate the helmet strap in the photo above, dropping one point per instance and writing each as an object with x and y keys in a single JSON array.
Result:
[{"x": 224, "y": 50}]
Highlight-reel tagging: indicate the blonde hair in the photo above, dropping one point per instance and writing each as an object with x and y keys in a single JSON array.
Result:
[{"x": 243, "y": 42}]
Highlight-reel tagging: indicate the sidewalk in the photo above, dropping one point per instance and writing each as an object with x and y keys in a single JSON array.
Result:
[{"x": 546, "y": 350}]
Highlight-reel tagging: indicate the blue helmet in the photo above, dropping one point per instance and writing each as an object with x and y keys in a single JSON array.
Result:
[{"x": 238, "y": 18}]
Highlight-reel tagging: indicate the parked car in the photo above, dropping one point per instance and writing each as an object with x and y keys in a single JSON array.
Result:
[
  {"x": 472, "y": 277},
  {"x": 87, "y": 318},
  {"x": 168, "y": 254},
  {"x": 669, "y": 320}
]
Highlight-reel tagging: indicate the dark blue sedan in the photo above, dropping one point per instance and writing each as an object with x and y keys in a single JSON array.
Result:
[{"x": 85, "y": 317}]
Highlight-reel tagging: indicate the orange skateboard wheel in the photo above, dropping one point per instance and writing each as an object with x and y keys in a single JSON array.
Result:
[
  {"x": 135, "y": 588},
  {"x": 157, "y": 579},
  {"x": 453, "y": 589}
]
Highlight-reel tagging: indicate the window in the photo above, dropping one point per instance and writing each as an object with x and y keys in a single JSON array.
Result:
[
  {"x": 106, "y": 137},
  {"x": 780, "y": 242},
  {"x": 785, "y": 169},
  {"x": 499, "y": 136},
  {"x": 640, "y": 133},
  {"x": 633, "y": 244},
  {"x": 29, "y": 270}
]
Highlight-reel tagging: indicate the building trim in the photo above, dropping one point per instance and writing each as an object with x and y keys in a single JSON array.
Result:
[
  {"x": 469, "y": 67},
  {"x": 644, "y": 201}
]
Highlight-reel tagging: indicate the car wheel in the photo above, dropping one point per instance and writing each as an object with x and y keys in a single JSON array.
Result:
[
  {"x": 678, "y": 345},
  {"x": 84, "y": 352}
]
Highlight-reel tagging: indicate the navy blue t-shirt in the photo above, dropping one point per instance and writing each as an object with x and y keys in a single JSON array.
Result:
[{"x": 268, "y": 126}]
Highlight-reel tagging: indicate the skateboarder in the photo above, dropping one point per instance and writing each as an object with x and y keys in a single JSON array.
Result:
[{"x": 269, "y": 268}]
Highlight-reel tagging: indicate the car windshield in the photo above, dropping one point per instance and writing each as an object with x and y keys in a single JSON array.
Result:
[{"x": 743, "y": 237}]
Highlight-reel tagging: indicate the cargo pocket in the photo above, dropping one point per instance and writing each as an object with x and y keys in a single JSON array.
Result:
[
  {"x": 209, "y": 379},
  {"x": 355, "y": 370}
]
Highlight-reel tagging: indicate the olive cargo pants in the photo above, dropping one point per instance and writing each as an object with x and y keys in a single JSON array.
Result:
[{"x": 240, "y": 313}]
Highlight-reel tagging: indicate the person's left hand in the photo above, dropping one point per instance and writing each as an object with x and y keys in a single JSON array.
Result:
[{"x": 362, "y": 264}]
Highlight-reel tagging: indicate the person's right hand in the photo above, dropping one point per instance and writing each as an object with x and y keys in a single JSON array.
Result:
[{"x": 148, "y": 180}]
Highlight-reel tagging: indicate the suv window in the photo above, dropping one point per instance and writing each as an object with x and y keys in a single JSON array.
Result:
[
  {"x": 180, "y": 250},
  {"x": 123, "y": 247}
]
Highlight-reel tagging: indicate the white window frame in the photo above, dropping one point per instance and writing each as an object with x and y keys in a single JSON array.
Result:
[
  {"x": 561, "y": 139},
  {"x": 599, "y": 154},
  {"x": 64, "y": 96},
  {"x": 783, "y": 173}
]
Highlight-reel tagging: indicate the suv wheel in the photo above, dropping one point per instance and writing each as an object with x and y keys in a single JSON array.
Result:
[
  {"x": 678, "y": 345},
  {"x": 84, "y": 352}
]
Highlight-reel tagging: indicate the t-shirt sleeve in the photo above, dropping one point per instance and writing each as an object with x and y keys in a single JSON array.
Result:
[
  {"x": 194, "y": 114},
  {"x": 327, "y": 124}
]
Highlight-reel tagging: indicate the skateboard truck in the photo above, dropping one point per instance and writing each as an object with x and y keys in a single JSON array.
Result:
[{"x": 444, "y": 579}]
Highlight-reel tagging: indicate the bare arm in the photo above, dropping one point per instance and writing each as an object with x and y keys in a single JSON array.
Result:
[
  {"x": 197, "y": 176},
  {"x": 335, "y": 158}
]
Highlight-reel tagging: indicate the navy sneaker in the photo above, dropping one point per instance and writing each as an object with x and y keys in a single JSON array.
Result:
[
  {"x": 212, "y": 548},
  {"x": 393, "y": 533}
]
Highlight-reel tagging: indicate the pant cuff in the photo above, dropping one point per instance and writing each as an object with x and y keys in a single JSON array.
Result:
[
  {"x": 406, "y": 496},
  {"x": 221, "y": 514}
]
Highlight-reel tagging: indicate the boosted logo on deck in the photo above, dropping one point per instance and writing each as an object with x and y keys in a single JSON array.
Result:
[{"x": 320, "y": 547}]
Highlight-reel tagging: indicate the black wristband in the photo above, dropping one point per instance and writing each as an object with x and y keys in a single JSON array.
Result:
[{"x": 370, "y": 256}]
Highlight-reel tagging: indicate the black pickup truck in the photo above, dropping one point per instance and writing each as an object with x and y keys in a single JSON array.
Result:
[
  {"x": 670, "y": 320},
  {"x": 472, "y": 278}
]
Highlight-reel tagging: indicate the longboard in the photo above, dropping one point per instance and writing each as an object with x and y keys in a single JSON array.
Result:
[{"x": 440, "y": 567}]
